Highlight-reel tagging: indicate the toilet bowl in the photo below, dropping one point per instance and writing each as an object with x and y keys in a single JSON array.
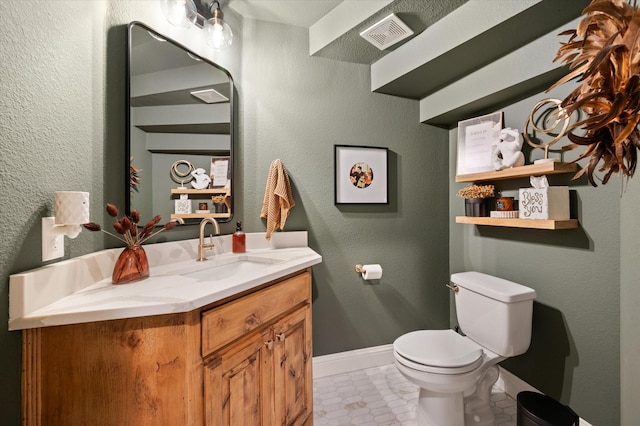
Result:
[
  {"x": 450, "y": 370},
  {"x": 455, "y": 373}
]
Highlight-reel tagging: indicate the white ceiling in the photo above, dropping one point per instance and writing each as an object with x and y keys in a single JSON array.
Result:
[{"x": 301, "y": 13}]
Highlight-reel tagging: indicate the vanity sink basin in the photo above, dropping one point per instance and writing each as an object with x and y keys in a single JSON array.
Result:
[{"x": 218, "y": 269}]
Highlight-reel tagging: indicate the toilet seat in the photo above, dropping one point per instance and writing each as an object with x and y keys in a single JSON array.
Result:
[{"x": 438, "y": 351}]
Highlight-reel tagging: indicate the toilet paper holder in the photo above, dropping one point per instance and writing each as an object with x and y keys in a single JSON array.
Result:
[{"x": 369, "y": 272}]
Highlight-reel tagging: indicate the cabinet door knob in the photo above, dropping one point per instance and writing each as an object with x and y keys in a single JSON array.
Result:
[
  {"x": 281, "y": 337},
  {"x": 269, "y": 344}
]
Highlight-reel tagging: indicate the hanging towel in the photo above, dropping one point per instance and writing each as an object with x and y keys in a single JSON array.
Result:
[{"x": 277, "y": 198}]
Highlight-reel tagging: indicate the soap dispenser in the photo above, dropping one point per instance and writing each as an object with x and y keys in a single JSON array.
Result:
[{"x": 239, "y": 240}]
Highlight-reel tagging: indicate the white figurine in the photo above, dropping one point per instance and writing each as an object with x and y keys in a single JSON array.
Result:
[
  {"x": 507, "y": 152},
  {"x": 200, "y": 180}
]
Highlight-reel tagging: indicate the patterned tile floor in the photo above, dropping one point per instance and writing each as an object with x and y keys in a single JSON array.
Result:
[{"x": 381, "y": 396}]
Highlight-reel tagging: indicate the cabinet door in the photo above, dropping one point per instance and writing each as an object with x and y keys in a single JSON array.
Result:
[
  {"x": 237, "y": 389},
  {"x": 293, "y": 385},
  {"x": 144, "y": 371}
]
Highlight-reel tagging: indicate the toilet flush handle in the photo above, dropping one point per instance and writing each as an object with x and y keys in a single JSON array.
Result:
[{"x": 453, "y": 288}]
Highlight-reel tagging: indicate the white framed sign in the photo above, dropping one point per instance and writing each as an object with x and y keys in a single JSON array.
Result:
[
  {"x": 476, "y": 136},
  {"x": 220, "y": 171}
]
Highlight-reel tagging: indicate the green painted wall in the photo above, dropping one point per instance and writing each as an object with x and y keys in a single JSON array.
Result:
[
  {"x": 62, "y": 120},
  {"x": 296, "y": 108},
  {"x": 630, "y": 304},
  {"x": 574, "y": 355},
  {"x": 62, "y": 127}
]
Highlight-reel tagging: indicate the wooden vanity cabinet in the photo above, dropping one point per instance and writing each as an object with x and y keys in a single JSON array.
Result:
[
  {"x": 264, "y": 377},
  {"x": 246, "y": 361}
]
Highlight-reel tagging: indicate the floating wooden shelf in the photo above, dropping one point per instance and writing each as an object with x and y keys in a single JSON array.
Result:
[
  {"x": 519, "y": 223},
  {"x": 201, "y": 215},
  {"x": 207, "y": 191},
  {"x": 200, "y": 194},
  {"x": 551, "y": 168},
  {"x": 518, "y": 172}
]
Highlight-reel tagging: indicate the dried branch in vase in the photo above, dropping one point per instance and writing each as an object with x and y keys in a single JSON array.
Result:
[{"x": 127, "y": 227}]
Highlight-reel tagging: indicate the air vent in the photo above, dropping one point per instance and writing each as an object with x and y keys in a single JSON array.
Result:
[
  {"x": 210, "y": 96},
  {"x": 387, "y": 32}
]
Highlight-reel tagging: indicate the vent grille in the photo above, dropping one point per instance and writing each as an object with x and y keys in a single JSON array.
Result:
[
  {"x": 209, "y": 96},
  {"x": 387, "y": 32}
]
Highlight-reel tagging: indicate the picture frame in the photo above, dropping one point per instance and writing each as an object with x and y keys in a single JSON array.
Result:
[
  {"x": 361, "y": 174},
  {"x": 476, "y": 136},
  {"x": 220, "y": 171}
]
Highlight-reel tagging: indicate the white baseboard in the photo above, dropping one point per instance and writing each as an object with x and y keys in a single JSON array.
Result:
[
  {"x": 376, "y": 356},
  {"x": 358, "y": 359},
  {"x": 511, "y": 384}
]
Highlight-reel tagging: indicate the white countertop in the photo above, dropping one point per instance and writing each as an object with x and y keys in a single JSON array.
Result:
[{"x": 80, "y": 289}]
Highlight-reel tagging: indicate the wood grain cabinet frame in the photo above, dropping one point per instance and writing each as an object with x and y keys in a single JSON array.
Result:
[{"x": 244, "y": 361}]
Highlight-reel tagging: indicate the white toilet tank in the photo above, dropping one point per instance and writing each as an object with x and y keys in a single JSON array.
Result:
[{"x": 494, "y": 312}]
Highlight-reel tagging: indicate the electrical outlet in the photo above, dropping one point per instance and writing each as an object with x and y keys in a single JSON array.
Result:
[{"x": 52, "y": 242}]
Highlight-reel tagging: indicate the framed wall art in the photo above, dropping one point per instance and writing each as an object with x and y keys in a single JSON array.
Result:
[
  {"x": 361, "y": 175},
  {"x": 476, "y": 136}
]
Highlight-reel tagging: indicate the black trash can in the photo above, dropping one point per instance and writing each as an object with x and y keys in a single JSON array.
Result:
[{"x": 536, "y": 409}]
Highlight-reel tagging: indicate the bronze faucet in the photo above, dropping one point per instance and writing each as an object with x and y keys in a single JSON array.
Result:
[{"x": 202, "y": 247}]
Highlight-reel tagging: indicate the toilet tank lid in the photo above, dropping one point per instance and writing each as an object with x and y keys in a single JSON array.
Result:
[{"x": 493, "y": 287}]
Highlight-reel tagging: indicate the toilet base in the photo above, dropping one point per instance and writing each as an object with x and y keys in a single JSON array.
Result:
[
  {"x": 442, "y": 402},
  {"x": 477, "y": 408},
  {"x": 438, "y": 409}
]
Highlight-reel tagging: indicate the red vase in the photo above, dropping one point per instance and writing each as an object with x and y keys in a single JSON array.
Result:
[{"x": 132, "y": 265}]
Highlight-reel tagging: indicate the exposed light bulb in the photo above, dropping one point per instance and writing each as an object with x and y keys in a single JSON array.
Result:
[
  {"x": 181, "y": 13},
  {"x": 219, "y": 34}
]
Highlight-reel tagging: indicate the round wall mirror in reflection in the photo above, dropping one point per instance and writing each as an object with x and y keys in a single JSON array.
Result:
[{"x": 179, "y": 131}]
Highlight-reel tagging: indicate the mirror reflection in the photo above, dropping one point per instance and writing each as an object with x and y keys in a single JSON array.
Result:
[{"x": 180, "y": 131}]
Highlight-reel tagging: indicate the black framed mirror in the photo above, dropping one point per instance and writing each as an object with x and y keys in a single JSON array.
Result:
[{"x": 180, "y": 131}]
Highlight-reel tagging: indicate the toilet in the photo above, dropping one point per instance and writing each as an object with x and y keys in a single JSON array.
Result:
[{"x": 455, "y": 373}]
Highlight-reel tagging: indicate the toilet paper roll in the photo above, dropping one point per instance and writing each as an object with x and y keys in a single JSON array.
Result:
[
  {"x": 71, "y": 207},
  {"x": 372, "y": 272}
]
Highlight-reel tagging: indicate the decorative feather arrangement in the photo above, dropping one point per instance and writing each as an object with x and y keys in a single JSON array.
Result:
[{"x": 604, "y": 54}]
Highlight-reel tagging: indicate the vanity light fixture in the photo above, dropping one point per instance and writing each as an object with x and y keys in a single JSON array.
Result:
[
  {"x": 181, "y": 13},
  {"x": 184, "y": 13},
  {"x": 71, "y": 211}
]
